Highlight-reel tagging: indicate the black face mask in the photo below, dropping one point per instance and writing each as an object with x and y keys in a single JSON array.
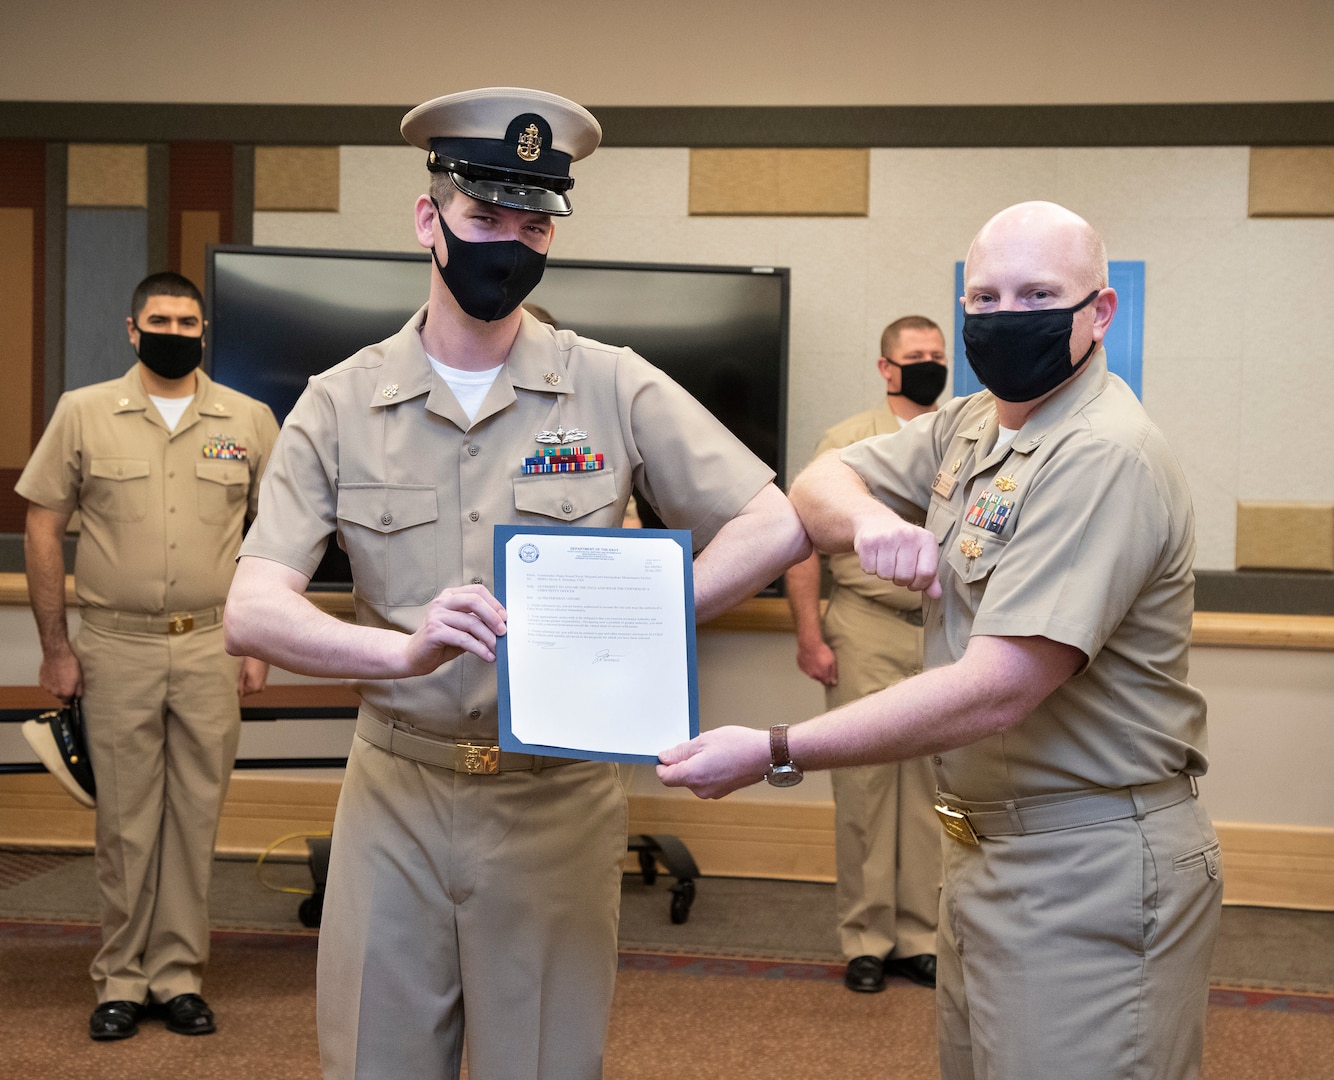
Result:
[
  {"x": 489, "y": 280},
  {"x": 1020, "y": 355},
  {"x": 170, "y": 356},
  {"x": 920, "y": 383}
]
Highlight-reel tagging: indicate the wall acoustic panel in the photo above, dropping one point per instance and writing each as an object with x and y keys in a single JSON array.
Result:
[
  {"x": 296, "y": 178},
  {"x": 17, "y": 233},
  {"x": 199, "y": 178},
  {"x": 1292, "y": 181},
  {"x": 23, "y": 180},
  {"x": 103, "y": 174},
  {"x": 794, "y": 183},
  {"x": 198, "y": 229},
  {"x": 1285, "y": 535},
  {"x": 105, "y": 258}
]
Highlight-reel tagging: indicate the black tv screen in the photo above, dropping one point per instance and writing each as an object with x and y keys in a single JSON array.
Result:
[{"x": 279, "y": 315}]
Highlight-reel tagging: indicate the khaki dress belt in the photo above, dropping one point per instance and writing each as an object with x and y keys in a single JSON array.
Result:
[
  {"x": 477, "y": 759},
  {"x": 968, "y": 821},
  {"x": 130, "y": 622}
]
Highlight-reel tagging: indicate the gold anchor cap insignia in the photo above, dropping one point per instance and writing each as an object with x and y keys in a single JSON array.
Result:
[
  {"x": 390, "y": 392},
  {"x": 971, "y": 548},
  {"x": 1005, "y": 483},
  {"x": 530, "y": 143}
]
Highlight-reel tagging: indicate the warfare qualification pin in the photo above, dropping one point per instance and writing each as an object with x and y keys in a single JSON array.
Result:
[{"x": 560, "y": 437}]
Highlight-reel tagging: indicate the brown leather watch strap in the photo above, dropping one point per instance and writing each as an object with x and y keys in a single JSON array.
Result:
[{"x": 778, "y": 752}]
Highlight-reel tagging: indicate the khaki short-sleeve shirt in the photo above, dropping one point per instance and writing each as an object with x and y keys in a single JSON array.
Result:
[
  {"x": 846, "y": 568},
  {"x": 1080, "y": 530},
  {"x": 378, "y": 452},
  {"x": 160, "y": 511}
]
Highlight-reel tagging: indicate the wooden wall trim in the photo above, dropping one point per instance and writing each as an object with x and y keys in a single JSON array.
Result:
[
  {"x": 1263, "y": 865},
  {"x": 770, "y": 615},
  {"x": 1296, "y": 123}
]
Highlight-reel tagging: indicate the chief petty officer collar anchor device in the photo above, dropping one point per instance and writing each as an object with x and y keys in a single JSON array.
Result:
[{"x": 783, "y": 771}]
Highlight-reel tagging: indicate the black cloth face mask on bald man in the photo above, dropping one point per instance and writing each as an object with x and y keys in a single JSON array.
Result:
[{"x": 1020, "y": 355}]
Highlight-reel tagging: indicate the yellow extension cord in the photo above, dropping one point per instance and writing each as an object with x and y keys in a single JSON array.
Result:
[{"x": 278, "y": 843}]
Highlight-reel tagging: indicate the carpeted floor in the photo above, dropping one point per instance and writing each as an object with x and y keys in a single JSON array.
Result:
[{"x": 696, "y": 1000}]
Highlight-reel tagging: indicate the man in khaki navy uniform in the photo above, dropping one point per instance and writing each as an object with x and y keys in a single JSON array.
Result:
[
  {"x": 886, "y": 837},
  {"x": 1082, "y": 882},
  {"x": 465, "y": 881},
  {"x": 163, "y": 466}
]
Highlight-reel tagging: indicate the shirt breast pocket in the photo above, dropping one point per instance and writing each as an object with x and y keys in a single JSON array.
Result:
[
  {"x": 116, "y": 489},
  {"x": 389, "y": 533},
  {"x": 570, "y": 497},
  {"x": 223, "y": 486},
  {"x": 974, "y": 556}
]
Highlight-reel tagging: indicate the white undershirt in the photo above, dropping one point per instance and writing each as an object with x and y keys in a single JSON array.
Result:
[
  {"x": 470, "y": 387},
  {"x": 1005, "y": 435},
  {"x": 171, "y": 408}
]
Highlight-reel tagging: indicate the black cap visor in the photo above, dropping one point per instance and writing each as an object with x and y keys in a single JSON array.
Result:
[
  {"x": 507, "y": 187},
  {"x": 57, "y": 740}
]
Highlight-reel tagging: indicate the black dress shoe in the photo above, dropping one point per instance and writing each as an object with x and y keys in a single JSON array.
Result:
[
  {"x": 115, "y": 1020},
  {"x": 920, "y": 969},
  {"x": 865, "y": 974},
  {"x": 189, "y": 1014}
]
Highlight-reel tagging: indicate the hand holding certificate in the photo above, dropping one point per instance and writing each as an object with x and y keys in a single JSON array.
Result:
[{"x": 599, "y": 657}]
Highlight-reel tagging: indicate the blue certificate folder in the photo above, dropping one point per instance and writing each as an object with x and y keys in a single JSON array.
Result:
[{"x": 608, "y": 696}]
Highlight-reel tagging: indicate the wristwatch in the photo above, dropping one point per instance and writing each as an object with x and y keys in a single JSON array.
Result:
[{"x": 783, "y": 772}]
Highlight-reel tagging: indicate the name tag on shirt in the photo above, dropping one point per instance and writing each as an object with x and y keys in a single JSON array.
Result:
[{"x": 943, "y": 484}]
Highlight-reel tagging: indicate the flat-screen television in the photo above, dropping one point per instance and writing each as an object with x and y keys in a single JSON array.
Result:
[{"x": 276, "y": 316}]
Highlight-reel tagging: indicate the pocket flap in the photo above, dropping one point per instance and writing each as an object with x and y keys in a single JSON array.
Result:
[
  {"x": 223, "y": 472},
  {"x": 564, "y": 496},
  {"x": 387, "y": 508},
  {"x": 974, "y": 555},
  {"x": 118, "y": 468}
]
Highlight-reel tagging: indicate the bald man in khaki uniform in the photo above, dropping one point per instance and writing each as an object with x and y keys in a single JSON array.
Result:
[
  {"x": 163, "y": 466},
  {"x": 466, "y": 883},
  {"x": 1082, "y": 877},
  {"x": 886, "y": 838}
]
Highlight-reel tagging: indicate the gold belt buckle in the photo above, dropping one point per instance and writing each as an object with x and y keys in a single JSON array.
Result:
[
  {"x": 476, "y": 760},
  {"x": 181, "y": 624},
  {"x": 956, "y": 824}
]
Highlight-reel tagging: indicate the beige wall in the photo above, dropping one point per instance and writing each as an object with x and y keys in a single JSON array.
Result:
[{"x": 692, "y": 52}]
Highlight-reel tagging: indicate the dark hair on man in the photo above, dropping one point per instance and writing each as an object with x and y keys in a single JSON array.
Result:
[
  {"x": 163, "y": 284},
  {"x": 889, "y": 340},
  {"x": 442, "y": 188}
]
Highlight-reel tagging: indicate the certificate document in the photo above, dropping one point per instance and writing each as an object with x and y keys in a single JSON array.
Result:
[{"x": 598, "y": 659}]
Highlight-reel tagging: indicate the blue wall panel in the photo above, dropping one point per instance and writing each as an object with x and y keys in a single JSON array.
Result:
[{"x": 106, "y": 255}]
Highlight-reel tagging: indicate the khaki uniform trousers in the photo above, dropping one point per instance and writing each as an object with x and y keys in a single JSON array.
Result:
[
  {"x": 1082, "y": 952},
  {"x": 887, "y": 838},
  {"x": 163, "y": 723},
  {"x": 454, "y": 900}
]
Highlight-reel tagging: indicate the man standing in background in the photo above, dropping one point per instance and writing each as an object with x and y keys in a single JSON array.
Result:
[
  {"x": 886, "y": 838},
  {"x": 163, "y": 467}
]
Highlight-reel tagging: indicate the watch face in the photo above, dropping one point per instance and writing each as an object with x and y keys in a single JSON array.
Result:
[{"x": 784, "y": 775}]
